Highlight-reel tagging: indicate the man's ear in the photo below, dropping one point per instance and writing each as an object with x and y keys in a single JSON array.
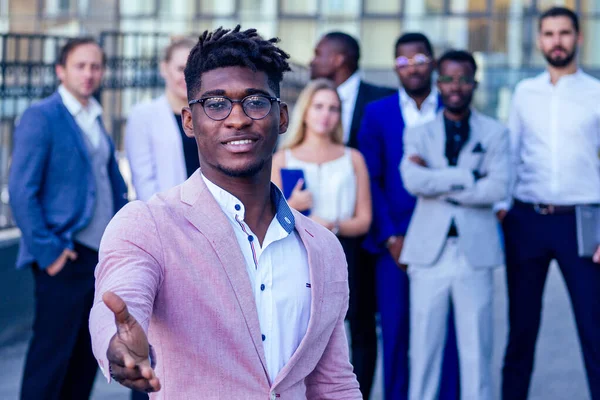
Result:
[
  {"x": 284, "y": 118},
  {"x": 60, "y": 72},
  {"x": 187, "y": 121},
  {"x": 338, "y": 60}
]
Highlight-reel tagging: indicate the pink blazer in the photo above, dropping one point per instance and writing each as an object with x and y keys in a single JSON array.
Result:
[{"x": 176, "y": 263}]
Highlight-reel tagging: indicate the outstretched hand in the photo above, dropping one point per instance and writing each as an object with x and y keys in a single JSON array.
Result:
[{"x": 128, "y": 350}]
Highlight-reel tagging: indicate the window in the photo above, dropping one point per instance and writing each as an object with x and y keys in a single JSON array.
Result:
[
  {"x": 145, "y": 8},
  {"x": 216, "y": 8},
  {"x": 295, "y": 7},
  {"x": 378, "y": 39},
  {"x": 341, "y": 8},
  {"x": 382, "y": 7},
  {"x": 55, "y": 8},
  {"x": 298, "y": 37}
]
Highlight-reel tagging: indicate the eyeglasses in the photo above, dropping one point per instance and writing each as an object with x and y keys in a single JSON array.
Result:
[
  {"x": 417, "y": 60},
  {"x": 462, "y": 80},
  {"x": 255, "y": 106}
]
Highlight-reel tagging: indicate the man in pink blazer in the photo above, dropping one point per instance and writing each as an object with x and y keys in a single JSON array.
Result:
[{"x": 216, "y": 289}]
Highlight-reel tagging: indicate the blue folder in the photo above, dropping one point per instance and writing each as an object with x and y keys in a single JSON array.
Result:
[{"x": 289, "y": 179}]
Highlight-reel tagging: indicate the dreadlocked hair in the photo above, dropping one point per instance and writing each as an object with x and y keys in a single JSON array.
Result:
[{"x": 235, "y": 48}]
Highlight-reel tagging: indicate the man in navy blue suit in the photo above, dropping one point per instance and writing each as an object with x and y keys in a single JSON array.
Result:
[
  {"x": 64, "y": 186},
  {"x": 380, "y": 141}
]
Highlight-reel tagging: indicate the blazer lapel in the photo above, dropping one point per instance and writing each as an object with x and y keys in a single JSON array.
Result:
[
  {"x": 74, "y": 130},
  {"x": 467, "y": 158},
  {"x": 206, "y": 215},
  {"x": 439, "y": 140},
  {"x": 361, "y": 98},
  {"x": 317, "y": 285}
]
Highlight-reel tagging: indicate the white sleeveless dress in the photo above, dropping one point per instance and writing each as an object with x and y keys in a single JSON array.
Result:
[{"x": 332, "y": 185}]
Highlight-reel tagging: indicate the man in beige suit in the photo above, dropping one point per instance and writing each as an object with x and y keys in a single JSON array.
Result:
[{"x": 457, "y": 166}]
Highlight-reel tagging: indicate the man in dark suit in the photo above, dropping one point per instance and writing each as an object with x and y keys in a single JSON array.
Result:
[
  {"x": 336, "y": 58},
  {"x": 380, "y": 142},
  {"x": 64, "y": 187}
]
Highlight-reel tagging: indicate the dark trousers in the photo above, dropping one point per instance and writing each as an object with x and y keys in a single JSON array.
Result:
[
  {"x": 361, "y": 312},
  {"x": 393, "y": 304},
  {"x": 532, "y": 240},
  {"x": 60, "y": 363}
]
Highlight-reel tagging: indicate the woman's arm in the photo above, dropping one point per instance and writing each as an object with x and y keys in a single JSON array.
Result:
[
  {"x": 299, "y": 200},
  {"x": 361, "y": 221}
]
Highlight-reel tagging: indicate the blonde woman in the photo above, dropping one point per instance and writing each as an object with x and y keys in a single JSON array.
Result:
[
  {"x": 336, "y": 178},
  {"x": 160, "y": 154}
]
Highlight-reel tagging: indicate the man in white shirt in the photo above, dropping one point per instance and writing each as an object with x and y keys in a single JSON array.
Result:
[
  {"x": 555, "y": 138},
  {"x": 336, "y": 58},
  {"x": 65, "y": 186}
]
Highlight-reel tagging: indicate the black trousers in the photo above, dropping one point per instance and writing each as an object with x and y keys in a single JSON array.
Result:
[
  {"x": 60, "y": 363},
  {"x": 361, "y": 312},
  {"x": 532, "y": 240}
]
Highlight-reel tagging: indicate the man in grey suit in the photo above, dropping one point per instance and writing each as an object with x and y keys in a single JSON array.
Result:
[{"x": 458, "y": 166}]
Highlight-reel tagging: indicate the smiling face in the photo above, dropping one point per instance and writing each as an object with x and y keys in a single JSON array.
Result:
[
  {"x": 323, "y": 114},
  {"x": 415, "y": 78},
  {"x": 237, "y": 146},
  {"x": 456, "y": 84}
]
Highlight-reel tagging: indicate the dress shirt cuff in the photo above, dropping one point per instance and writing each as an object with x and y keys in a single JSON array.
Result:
[{"x": 502, "y": 205}]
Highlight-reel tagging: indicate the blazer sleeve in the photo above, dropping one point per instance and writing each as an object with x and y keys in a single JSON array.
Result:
[
  {"x": 494, "y": 186},
  {"x": 140, "y": 153},
  {"x": 371, "y": 144},
  {"x": 429, "y": 182},
  {"x": 31, "y": 152},
  {"x": 130, "y": 265},
  {"x": 333, "y": 377}
]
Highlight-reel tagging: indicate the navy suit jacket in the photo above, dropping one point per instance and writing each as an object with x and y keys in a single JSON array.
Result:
[
  {"x": 367, "y": 93},
  {"x": 51, "y": 182},
  {"x": 380, "y": 142}
]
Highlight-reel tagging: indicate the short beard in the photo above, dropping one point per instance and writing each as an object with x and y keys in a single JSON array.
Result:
[
  {"x": 563, "y": 62},
  {"x": 249, "y": 172},
  {"x": 419, "y": 92}
]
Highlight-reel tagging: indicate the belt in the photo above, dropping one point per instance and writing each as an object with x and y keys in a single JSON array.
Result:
[{"x": 545, "y": 209}]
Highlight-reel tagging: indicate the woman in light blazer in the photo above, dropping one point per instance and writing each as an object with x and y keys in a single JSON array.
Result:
[{"x": 160, "y": 155}]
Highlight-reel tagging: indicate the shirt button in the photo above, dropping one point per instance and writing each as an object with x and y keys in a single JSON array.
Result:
[
  {"x": 238, "y": 207},
  {"x": 262, "y": 287},
  {"x": 250, "y": 238},
  {"x": 264, "y": 338}
]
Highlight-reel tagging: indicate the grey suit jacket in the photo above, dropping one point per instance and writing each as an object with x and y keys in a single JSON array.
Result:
[
  {"x": 447, "y": 193},
  {"x": 154, "y": 148}
]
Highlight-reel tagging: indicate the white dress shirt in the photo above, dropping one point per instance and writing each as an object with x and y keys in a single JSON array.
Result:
[
  {"x": 412, "y": 115},
  {"x": 555, "y": 140},
  {"x": 86, "y": 117},
  {"x": 279, "y": 276},
  {"x": 348, "y": 92}
]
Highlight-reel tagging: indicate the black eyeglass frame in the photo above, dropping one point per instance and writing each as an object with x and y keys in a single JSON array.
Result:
[{"x": 202, "y": 100}]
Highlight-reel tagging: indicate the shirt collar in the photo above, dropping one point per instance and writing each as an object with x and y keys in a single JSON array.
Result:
[
  {"x": 350, "y": 86},
  {"x": 574, "y": 76},
  {"x": 75, "y": 107},
  {"x": 431, "y": 100},
  {"x": 233, "y": 207}
]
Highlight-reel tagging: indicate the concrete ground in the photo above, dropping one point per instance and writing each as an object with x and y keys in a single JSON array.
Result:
[{"x": 558, "y": 374}]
